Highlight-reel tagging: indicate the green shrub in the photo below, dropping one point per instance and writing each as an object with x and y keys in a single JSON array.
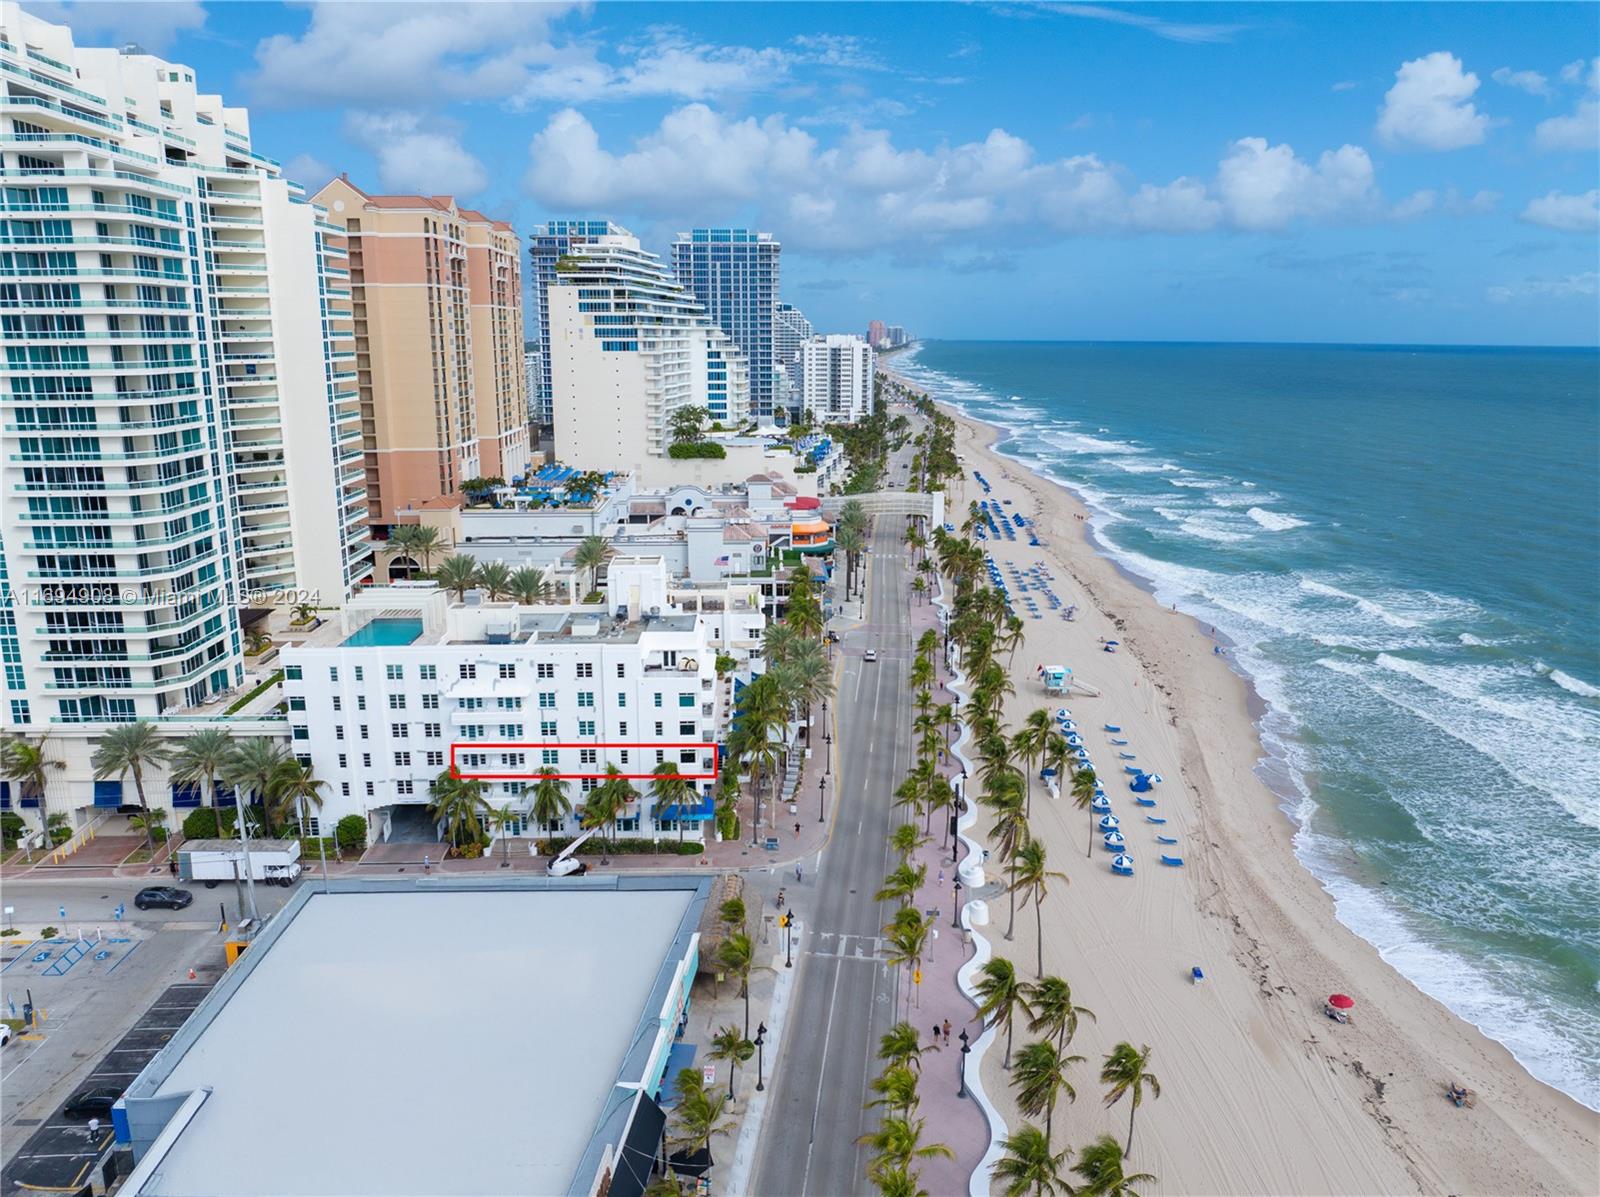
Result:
[
  {"x": 351, "y": 832},
  {"x": 9, "y": 931},
  {"x": 725, "y": 664},
  {"x": 48, "y": 933},
  {"x": 60, "y": 835},
  {"x": 628, "y": 847},
  {"x": 201, "y": 824},
  {"x": 309, "y": 853},
  {"x": 697, "y": 449},
  {"x": 728, "y": 823}
]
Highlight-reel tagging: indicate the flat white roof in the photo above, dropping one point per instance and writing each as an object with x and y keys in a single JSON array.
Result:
[{"x": 441, "y": 1043}]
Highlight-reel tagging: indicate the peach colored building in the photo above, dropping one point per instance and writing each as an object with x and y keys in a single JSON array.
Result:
[{"x": 436, "y": 292}]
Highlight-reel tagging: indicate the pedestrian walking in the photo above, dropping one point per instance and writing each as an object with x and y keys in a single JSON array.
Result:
[
  {"x": 947, "y": 1030},
  {"x": 941, "y": 878},
  {"x": 172, "y": 865},
  {"x": 427, "y": 865},
  {"x": 797, "y": 829},
  {"x": 936, "y": 1034}
]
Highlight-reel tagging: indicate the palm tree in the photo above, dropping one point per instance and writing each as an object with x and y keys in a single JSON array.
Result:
[
  {"x": 459, "y": 804},
  {"x": 1001, "y": 997},
  {"x": 251, "y": 769},
  {"x": 737, "y": 954},
  {"x": 459, "y": 573},
  {"x": 778, "y": 641},
  {"x": 898, "y": 1182},
  {"x": 1083, "y": 783},
  {"x": 898, "y": 1141},
  {"x": 549, "y": 797},
  {"x": 1053, "y": 1010},
  {"x": 527, "y": 585},
  {"x": 425, "y": 542},
  {"x": 1031, "y": 878},
  {"x": 606, "y": 801},
  {"x": 668, "y": 788},
  {"x": 150, "y": 822},
  {"x": 1010, "y": 835},
  {"x": 1030, "y": 742},
  {"x": 896, "y": 1088},
  {"x": 294, "y": 788},
  {"x": 589, "y": 556},
  {"x": 852, "y": 543},
  {"x": 1040, "y": 1078},
  {"x": 494, "y": 577},
  {"x": 1029, "y": 1166},
  {"x": 25, "y": 762},
  {"x": 503, "y": 820},
  {"x": 698, "y": 1115},
  {"x": 1100, "y": 1165},
  {"x": 902, "y": 884},
  {"x": 907, "y": 940},
  {"x": 906, "y": 839},
  {"x": 727, "y": 1044},
  {"x": 1127, "y": 1070},
  {"x": 813, "y": 677},
  {"x": 132, "y": 748},
  {"x": 901, "y": 1045},
  {"x": 199, "y": 761}
]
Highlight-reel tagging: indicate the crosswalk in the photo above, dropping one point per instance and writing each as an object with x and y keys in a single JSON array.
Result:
[{"x": 847, "y": 947}]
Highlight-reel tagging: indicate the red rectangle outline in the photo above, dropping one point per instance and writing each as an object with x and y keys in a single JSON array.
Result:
[{"x": 529, "y": 746}]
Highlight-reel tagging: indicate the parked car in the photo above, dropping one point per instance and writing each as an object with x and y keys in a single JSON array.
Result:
[
  {"x": 870, "y": 655},
  {"x": 166, "y": 896},
  {"x": 91, "y": 1103},
  {"x": 5, "y": 1033}
]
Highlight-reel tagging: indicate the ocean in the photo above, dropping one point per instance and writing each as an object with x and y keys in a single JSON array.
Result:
[{"x": 1403, "y": 545}]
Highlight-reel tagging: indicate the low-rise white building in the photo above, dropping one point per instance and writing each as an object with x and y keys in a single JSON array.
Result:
[
  {"x": 413, "y": 683},
  {"x": 837, "y": 372}
]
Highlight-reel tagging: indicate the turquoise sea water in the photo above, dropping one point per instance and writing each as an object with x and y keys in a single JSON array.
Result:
[{"x": 1404, "y": 545}]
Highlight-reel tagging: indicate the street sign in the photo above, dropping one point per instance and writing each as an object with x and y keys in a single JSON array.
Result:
[
  {"x": 708, "y": 1073},
  {"x": 916, "y": 977}
]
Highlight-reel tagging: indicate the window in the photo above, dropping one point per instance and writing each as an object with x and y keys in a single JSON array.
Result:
[
  {"x": 472, "y": 731},
  {"x": 547, "y": 727},
  {"x": 544, "y": 670},
  {"x": 402, "y": 760},
  {"x": 588, "y": 756},
  {"x": 366, "y": 760},
  {"x": 344, "y": 761},
  {"x": 297, "y": 702},
  {"x": 622, "y": 669},
  {"x": 549, "y": 756},
  {"x": 361, "y": 676},
  {"x": 657, "y": 697},
  {"x": 435, "y": 760},
  {"x": 403, "y": 787},
  {"x": 659, "y": 731},
  {"x": 585, "y": 784},
  {"x": 338, "y": 703},
  {"x": 361, "y": 702},
  {"x": 428, "y": 673},
  {"x": 686, "y": 756},
  {"x": 547, "y": 700},
  {"x": 623, "y": 755},
  {"x": 302, "y": 733},
  {"x": 622, "y": 699},
  {"x": 686, "y": 727},
  {"x": 430, "y": 702},
  {"x": 472, "y": 704},
  {"x": 363, "y": 730},
  {"x": 508, "y": 669},
  {"x": 510, "y": 704},
  {"x": 586, "y": 727},
  {"x": 511, "y": 731},
  {"x": 622, "y": 728},
  {"x": 397, "y": 702},
  {"x": 585, "y": 669},
  {"x": 291, "y": 673},
  {"x": 370, "y": 790},
  {"x": 395, "y": 673},
  {"x": 400, "y": 731},
  {"x": 586, "y": 698},
  {"x": 430, "y": 731},
  {"x": 344, "y": 789},
  {"x": 515, "y": 760},
  {"x": 333, "y": 673},
  {"x": 686, "y": 700},
  {"x": 468, "y": 671},
  {"x": 338, "y": 732}
]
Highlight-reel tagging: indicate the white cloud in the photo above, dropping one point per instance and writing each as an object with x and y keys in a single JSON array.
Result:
[
  {"x": 416, "y": 155},
  {"x": 1579, "y": 131},
  {"x": 1562, "y": 287},
  {"x": 1565, "y": 213},
  {"x": 1532, "y": 82},
  {"x": 863, "y": 190},
  {"x": 1418, "y": 203},
  {"x": 1176, "y": 31},
  {"x": 1430, "y": 105},
  {"x": 1574, "y": 72},
  {"x": 153, "y": 26},
  {"x": 1346, "y": 85},
  {"x": 1470, "y": 205}
]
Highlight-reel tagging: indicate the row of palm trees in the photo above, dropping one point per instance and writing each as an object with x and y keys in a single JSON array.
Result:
[
  {"x": 459, "y": 572},
  {"x": 261, "y": 770},
  {"x": 850, "y": 533}
]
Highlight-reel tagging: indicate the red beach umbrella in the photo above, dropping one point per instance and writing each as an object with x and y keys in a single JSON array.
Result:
[{"x": 1341, "y": 1001}]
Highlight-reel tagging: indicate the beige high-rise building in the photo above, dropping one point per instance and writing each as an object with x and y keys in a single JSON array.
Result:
[{"x": 436, "y": 291}]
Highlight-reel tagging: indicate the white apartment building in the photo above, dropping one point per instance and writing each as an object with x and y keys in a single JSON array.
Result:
[
  {"x": 790, "y": 330},
  {"x": 628, "y": 347},
  {"x": 837, "y": 372},
  {"x": 380, "y": 706},
  {"x": 179, "y": 428}
]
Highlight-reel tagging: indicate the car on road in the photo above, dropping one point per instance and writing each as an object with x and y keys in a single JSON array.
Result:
[
  {"x": 870, "y": 655},
  {"x": 166, "y": 896},
  {"x": 5, "y": 1033},
  {"x": 91, "y": 1103}
]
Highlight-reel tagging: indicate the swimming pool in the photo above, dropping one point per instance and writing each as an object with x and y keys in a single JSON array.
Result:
[{"x": 386, "y": 632}]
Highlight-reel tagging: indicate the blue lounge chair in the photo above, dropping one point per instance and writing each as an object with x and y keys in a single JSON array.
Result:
[
  {"x": 1112, "y": 727},
  {"x": 1119, "y": 741},
  {"x": 1153, "y": 819},
  {"x": 1133, "y": 769},
  {"x": 1165, "y": 839},
  {"x": 1145, "y": 801},
  {"x": 1172, "y": 862},
  {"x": 1128, "y": 756},
  {"x": 1195, "y": 975}
]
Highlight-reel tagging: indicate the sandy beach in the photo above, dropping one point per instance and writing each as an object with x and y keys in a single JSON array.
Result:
[{"x": 1261, "y": 1093}]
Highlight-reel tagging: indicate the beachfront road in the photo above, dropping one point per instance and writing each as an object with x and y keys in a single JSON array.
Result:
[{"x": 844, "y": 999}]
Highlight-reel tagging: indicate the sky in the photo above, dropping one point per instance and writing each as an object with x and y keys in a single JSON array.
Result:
[{"x": 1267, "y": 172}]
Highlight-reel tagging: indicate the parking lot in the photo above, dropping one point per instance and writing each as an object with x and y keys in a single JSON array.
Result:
[{"x": 60, "y": 1153}]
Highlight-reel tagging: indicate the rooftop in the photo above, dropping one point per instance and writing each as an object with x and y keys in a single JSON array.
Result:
[{"x": 470, "y": 1038}]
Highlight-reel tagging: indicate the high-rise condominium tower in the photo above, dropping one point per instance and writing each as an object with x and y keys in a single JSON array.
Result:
[
  {"x": 629, "y": 347},
  {"x": 180, "y": 434},
  {"x": 437, "y": 293},
  {"x": 838, "y": 377},
  {"x": 547, "y": 244},
  {"x": 734, "y": 275}
]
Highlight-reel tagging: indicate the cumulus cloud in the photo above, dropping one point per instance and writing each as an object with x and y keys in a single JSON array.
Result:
[
  {"x": 862, "y": 189},
  {"x": 152, "y": 26},
  {"x": 415, "y": 154},
  {"x": 1430, "y": 105},
  {"x": 1532, "y": 82},
  {"x": 1565, "y": 213},
  {"x": 1578, "y": 131},
  {"x": 310, "y": 170}
]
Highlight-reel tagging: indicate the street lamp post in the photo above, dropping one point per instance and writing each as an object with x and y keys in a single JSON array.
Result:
[
  {"x": 965, "y": 1048},
  {"x": 961, "y": 796},
  {"x": 822, "y": 783},
  {"x": 788, "y": 943},
  {"x": 955, "y": 906},
  {"x": 827, "y": 739},
  {"x": 761, "y": 1039}
]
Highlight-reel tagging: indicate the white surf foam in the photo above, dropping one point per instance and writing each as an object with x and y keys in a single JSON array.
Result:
[
  {"x": 1472, "y": 641},
  {"x": 1274, "y": 521},
  {"x": 1573, "y": 685},
  {"x": 1365, "y": 604}
]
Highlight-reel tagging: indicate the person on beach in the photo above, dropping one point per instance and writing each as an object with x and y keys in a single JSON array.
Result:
[
  {"x": 947, "y": 1030},
  {"x": 935, "y": 1034}
]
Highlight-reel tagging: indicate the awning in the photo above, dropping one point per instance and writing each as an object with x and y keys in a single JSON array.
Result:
[
  {"x": 108, "y": 793},
  {"x": 641, "y": 1146},
  {"x": 696, "y": 812},
  {"x": 680, "y": 1057}
]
